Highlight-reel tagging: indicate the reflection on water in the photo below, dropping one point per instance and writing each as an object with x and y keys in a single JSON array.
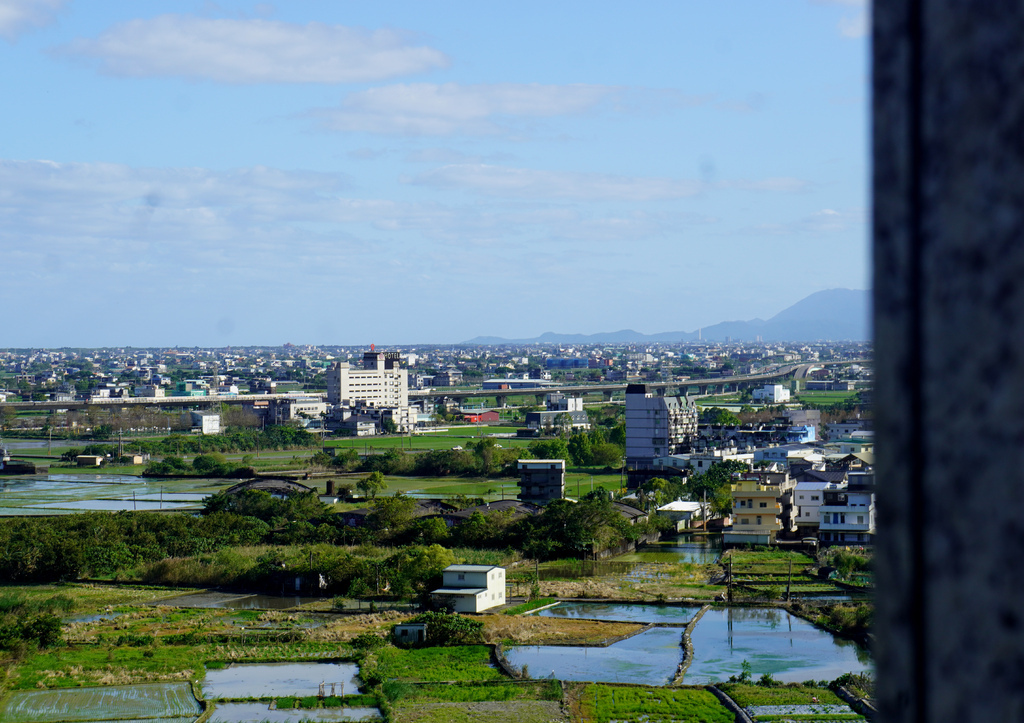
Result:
[
  {"x": 263, "y": 602},
  {"x": 248, "y": 712},
  {"x": 626, "y": 612},
  {"x": 772, "y": 641},
  {"x": 267, "y": 680},
  {"x": 698, "y": 549},
  {"x": 650, "y": 658},
  {"x": 114, "y": 505}
]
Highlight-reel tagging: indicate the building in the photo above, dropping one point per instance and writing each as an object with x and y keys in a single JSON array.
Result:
[
  {"x": 381, "y": 384},
  {"x": 656, "y": 427},
  {"x": 295, "y": 406},
  {"x": 481, "y": 417},
  {"x": 541, "y": 480},
  {"x": 771, "y": 394},
  {"x": 848, "y": 512},
  {"x": 762, "y": 508},
  {"x": 205, "y": 422},
  {"x": 471, "y": 588},
  {"x": 682, "y": 512}
]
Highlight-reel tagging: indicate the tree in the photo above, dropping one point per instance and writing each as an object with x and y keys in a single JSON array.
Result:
[
  {"x": 580, "y": 449},
  {"x": 372, "y": 485},
  {"x": 387, "y": 424},
  {"x": 391, "y": 513},
  {"x": 606, "y": 454}
]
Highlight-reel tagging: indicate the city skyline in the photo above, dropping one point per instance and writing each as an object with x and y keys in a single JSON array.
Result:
[{"x": 241, "y": 173}]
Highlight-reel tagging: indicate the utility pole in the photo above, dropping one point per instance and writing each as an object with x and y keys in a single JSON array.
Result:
[{"x": 789, "y": 583}]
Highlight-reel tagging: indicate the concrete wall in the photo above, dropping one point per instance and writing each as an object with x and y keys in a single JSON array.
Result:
[{"x": 949, "y": 326}]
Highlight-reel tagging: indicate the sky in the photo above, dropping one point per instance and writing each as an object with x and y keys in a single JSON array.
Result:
[{"x": 238, "y": 173}]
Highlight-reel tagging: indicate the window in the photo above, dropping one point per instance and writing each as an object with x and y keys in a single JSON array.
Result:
[
  {"x": 860, "y": 519},
  {"x": 764, "y": 504},
  {"x": 814, "y": 498},
  {"x": 759, "y": 519},
  {"x": 462, "y": 576}
]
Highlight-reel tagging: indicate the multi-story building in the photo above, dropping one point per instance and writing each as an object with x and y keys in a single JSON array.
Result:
[
  {"x": 381, "y": 383},
  {"x": 541, "y": 480},
  {"x": 762, "y": 508},
  {"x": 848, "y": 512},
  {"x": 655, "y": 427}
]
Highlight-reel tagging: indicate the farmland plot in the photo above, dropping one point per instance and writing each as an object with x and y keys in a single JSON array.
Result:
[{"x": 167, "y": 702}]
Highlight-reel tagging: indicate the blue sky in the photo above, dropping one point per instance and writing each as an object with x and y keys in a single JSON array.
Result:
[{"x": 231, "y": 173}]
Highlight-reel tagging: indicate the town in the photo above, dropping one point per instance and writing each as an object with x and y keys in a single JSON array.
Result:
[{"x": 361, "y": 533}]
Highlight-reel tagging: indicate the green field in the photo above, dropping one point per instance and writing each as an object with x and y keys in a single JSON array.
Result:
[{"x": 604, "y": 703}]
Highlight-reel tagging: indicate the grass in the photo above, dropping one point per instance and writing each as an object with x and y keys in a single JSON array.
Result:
[
  {"x": 604, "y": 703},
  {"x": 473, "y": 692},
  {"x": 528, "y": 606},
  {"x": 461, "y": 663},
  {"x": 791, "y": 694}
]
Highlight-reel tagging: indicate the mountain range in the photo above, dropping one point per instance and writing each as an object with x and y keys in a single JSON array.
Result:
[{"x": 832, "y": 314}]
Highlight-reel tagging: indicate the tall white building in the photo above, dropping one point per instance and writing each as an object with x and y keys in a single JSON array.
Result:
[{"x": 381, "y": 383}]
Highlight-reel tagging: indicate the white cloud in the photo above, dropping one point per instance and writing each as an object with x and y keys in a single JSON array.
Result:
[
  {"x": 857, "y": 25},
  {"x": 825, "y": 221},
  {"x": 17, "y": 16},
  {"x": 530, "y": 183},
  {"x": 432, "y": 109},
  {"x": 253, "y": 51}
]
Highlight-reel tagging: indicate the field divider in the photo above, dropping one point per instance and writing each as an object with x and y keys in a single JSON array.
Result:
[{"x": 687, "y": 644}]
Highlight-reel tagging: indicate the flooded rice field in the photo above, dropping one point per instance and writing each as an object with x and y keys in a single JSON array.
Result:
[
  {"x": 772, "y": 641},
  {"x": 156, "y": 702},
  {"x": 769, "y": 639},
  {"x": 674, "y": 614},
  {"x": 250, "y": 712},
  {"x": 68, "y": 493},
  {"x": 650, "y": 658},
  {"x": 267, "y": 680},
  {"x": 697, "y": 549}
]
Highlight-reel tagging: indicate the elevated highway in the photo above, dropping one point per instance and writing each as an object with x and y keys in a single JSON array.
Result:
[
  {"x": 697, "y": 387},
  {"x": 129, "y": 402}
]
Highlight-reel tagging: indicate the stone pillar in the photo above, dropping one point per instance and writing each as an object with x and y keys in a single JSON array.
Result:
[{"x": 948, "y": 183}]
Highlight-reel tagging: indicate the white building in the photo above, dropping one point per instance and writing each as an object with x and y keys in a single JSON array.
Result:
[
  {"x": 471, "y": 588},
  {"x": 381, "y": 383},
  {"x": 771, "y": 394},
  {"x": 149, "y": 390},
  {"x": 848, "y": 512},
  {"x": 809, "y": 497},
  {"x": 206, "y": 422}
]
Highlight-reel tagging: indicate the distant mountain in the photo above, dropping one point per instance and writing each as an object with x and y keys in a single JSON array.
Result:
[{"x": 833, "y": 314}]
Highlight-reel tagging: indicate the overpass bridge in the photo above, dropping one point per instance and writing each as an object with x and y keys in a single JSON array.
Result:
[
  {"x": 697, "y": 387},
  {"x": 130, "y": 402}
]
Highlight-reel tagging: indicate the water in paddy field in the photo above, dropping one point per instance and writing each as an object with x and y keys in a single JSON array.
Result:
[
  {"x": 698, "y": 549},
  {"x": 772, "y": 641},
  {"x": 625, "y": 612},
  {"x": 67, "y": 493},
  {"x": 250, "y": 712},
  {"x": 650, "y": 658},
  {"x": 267, "y": 680}
]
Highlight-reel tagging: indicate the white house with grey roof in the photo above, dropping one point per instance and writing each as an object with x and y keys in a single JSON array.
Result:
[{"x": 471, "y": 588}]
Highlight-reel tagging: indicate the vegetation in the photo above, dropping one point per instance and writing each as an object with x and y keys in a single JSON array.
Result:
[
  {"x": 605, "y": 703},
  {"x": 531, "y": 605}
]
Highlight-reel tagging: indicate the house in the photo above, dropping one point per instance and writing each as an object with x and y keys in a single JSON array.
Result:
[
  {"x": 89, "y": 460},
  {"x": 206, "y": 422},
  {"x": 848, "y": 512},
  {"x": 479, "y": 417},
  {"x": 682, "y": 512},
  {"x": 762, "y": 508},
  {"x": 541, "y": 480},
  {"x": 809, "y": 496},
  {"x": 471, "y": 588}
]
